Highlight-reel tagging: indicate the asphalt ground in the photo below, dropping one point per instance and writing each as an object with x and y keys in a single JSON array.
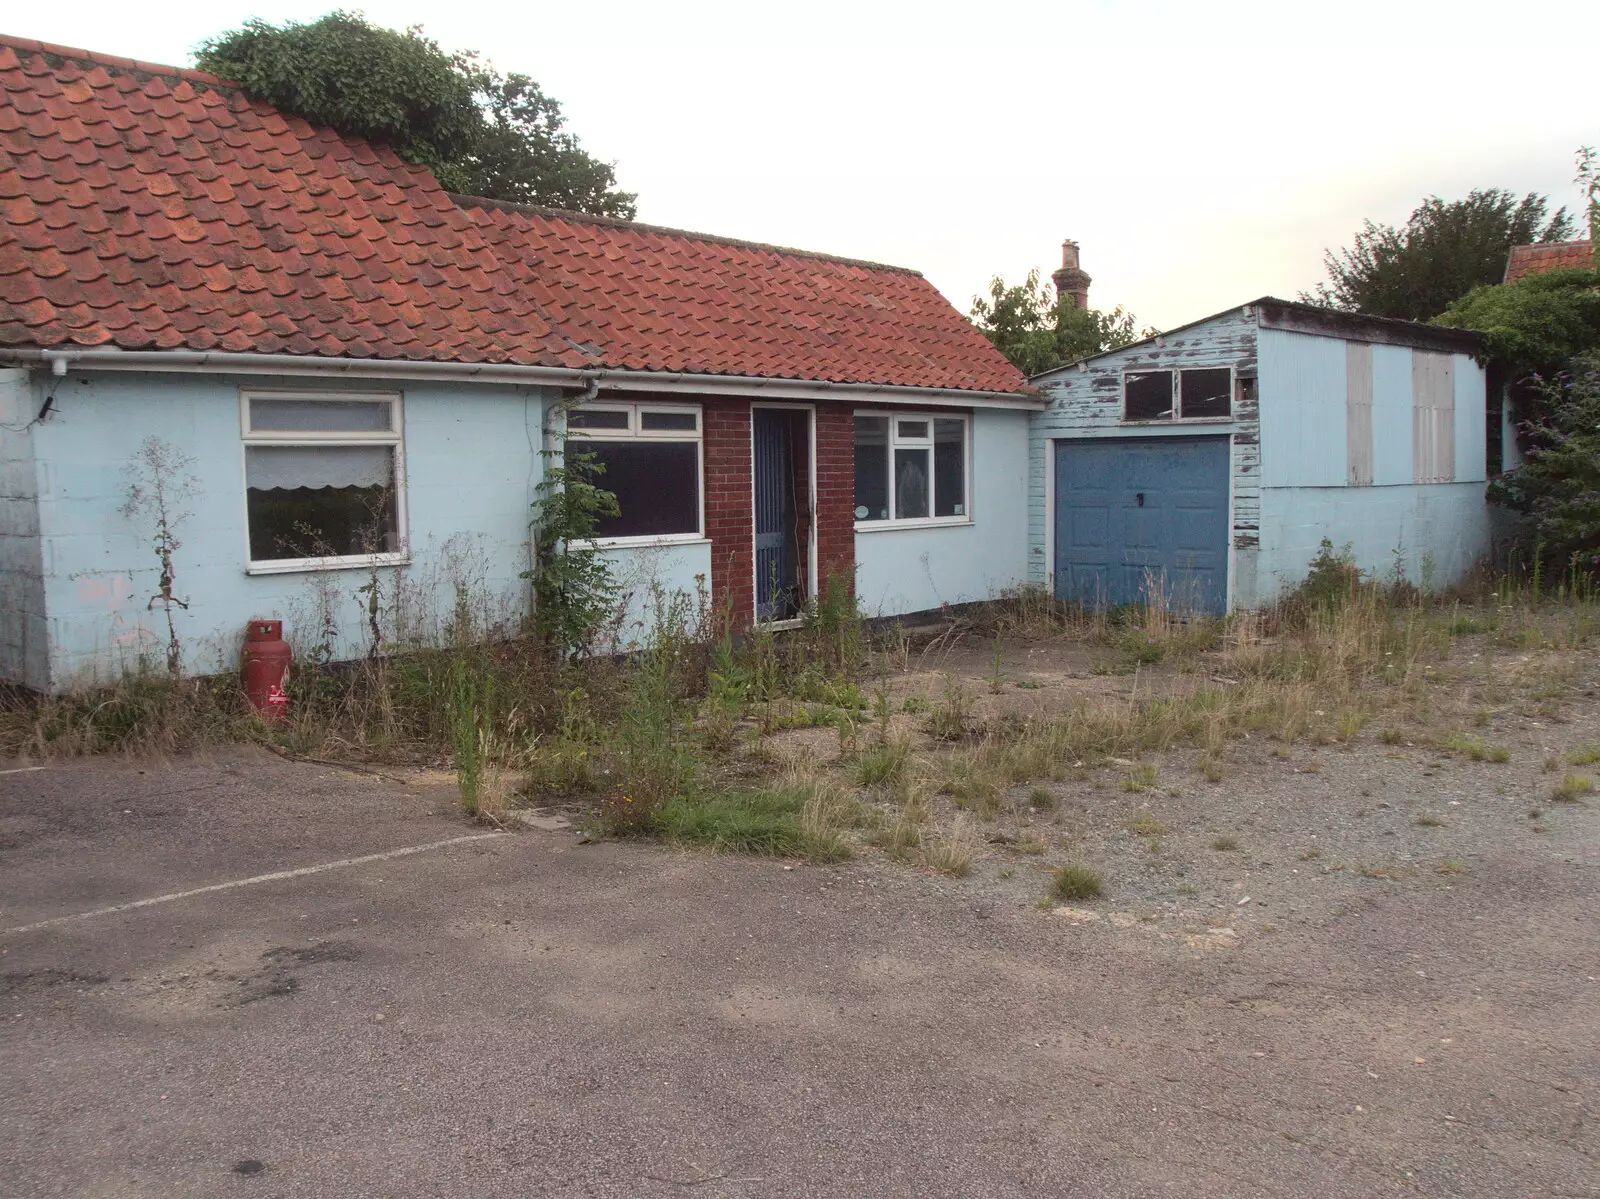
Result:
[{"x": 521, "y": 1014}]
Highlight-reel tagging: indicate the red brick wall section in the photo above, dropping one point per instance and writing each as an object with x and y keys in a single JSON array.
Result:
[
  {"x": 730, "y": 523},
  {"x": 836, "y": 493}
]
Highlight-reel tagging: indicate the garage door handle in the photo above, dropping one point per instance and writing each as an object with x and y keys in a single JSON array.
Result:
[{"x": 1139, "y": 495}]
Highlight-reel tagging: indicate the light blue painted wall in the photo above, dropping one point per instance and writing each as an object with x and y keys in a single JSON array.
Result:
[
  {"x": 680, "y": 569},
  {"x": 1303, "y": 410},
  {"x": 1472, "y": 424},
  {"x": 1445, "y": 525},
  {"x": 914, "y": 570},
  {"x": 1439, "y": 530},
  {"x": 1391, "y": 416},
  {"x": 471, "y": 466}
]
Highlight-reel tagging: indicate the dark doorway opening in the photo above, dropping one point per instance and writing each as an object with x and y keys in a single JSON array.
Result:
[{"x": 782, "y": 510}]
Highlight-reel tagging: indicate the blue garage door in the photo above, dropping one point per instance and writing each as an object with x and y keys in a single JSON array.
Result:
[{"x": 1128, "y": 512}]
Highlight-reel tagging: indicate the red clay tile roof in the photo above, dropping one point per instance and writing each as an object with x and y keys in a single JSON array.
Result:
[
  {"x": 649, "y": 298},
  {"x": 1547, "y": 256},
  {"x": 148, "y": 207}
]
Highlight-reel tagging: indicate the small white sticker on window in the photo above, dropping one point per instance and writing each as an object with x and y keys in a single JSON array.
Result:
[
  {"x": 959, "y": 509},
  {"x": 862, "y": 511}
]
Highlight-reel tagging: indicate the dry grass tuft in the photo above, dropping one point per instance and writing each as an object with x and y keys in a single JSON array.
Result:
[
  {"x": 1145, "y": 825},
  {"x": 1075, "y": 881},
  {"x": 1143, "y": 777},
  {"x": 953, "y": 850},
  {"x": 1569, "y": 789}
]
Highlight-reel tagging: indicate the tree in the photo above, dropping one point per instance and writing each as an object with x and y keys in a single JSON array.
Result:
[
  {"x": 1588, "y": 181},
  {"x": 1536, "y": 325},
  {"x": 1415, "y": 271},
  {"x": 525, "y": 153},
  {"x": 1558, "y": 485},
  {"x": 1038, "y": 331},
  {"x": 478, "y": 131}
]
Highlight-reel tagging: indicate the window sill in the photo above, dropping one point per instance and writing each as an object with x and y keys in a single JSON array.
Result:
[
  {"x": 936, "y": 522},
  {"x": 290, "y": 566},
  {"x": 644, "y": 543},
  {"x": 1168, "y": 423}
]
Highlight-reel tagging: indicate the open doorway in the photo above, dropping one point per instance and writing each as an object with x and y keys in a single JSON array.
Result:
[{"x": 781, "y": 455}]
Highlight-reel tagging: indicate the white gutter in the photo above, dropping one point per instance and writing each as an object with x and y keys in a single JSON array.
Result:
[{"x": 218, "y": 362}]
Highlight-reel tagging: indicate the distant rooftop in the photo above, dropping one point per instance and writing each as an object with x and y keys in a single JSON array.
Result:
[{"x": 1547, "y": 256}]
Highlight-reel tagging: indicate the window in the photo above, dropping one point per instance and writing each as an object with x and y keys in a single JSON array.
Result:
[
  {"x": 649, "y": 455},
  {"x": 911, "y": 468},
  {"x": 322, "y": 478},
  {"x": 1205, "y": 393}
]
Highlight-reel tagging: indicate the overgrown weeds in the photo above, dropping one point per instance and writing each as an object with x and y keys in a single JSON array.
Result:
[
  {"x": 676, "y": 740},
  {"x": 1075, "y": 881},
  {"x": 1572, "y": 788},
  {"x": 952, "y": 850}
]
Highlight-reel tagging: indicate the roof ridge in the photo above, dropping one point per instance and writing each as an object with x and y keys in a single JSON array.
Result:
[
  {"x": 1552, "y": 245},
  {"x": 113, "y": 61},
  {"x": 564, "y": 214}
]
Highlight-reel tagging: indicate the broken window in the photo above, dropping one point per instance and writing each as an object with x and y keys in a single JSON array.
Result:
[
  {"x": 911, "y": 468},
  {"x": 323, "y": 479},
  {"x": 1204, "y": 393},
  {"x": 649, "y": 458},
  {"x": 1147, "y": 395}
]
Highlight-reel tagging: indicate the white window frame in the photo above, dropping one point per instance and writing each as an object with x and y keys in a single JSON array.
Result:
[
  {"x": 636, "y": 432},
  {"x": 1177, "y": 395},
  {"x": 894, "y": 418},
  {"x": 394, "y": 437}
]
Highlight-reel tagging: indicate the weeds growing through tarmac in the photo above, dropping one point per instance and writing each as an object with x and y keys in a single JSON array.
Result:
[{"x": 680, "y": 740}]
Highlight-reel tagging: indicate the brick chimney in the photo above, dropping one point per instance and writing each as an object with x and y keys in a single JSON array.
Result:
[{"x": 1070, "y": 280}]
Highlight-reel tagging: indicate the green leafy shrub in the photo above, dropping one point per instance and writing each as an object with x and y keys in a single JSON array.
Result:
[
  {"x": 479, "y": 131},
  {"x": 1331, "y": 580},
  {"x": 1558, "y": 485},
  {"x": 574, "y": 592}
]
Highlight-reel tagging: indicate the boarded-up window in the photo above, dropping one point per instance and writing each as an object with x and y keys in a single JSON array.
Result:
[
  {"x": 1433, "y": 418},
  {"x": 1358, "y": 412}
]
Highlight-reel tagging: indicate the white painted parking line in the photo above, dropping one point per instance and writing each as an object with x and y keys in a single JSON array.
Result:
[
  {"x": 22, "y": 770},
  {"x": 275, "y": 876}
]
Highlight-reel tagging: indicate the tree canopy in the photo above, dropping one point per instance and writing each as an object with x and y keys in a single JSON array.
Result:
[
  {"x": 479, "y": 131},
  {"x": 1038, "y": 331},
  {"x": 1415, "y": 271},
  {"x": 1535, "y": 325}
]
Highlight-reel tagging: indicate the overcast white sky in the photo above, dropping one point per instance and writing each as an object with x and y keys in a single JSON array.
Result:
[{"x": 1203, "y": 154}]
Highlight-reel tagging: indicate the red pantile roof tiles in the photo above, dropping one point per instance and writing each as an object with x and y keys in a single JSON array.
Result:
[
  {"x": 147, "y": 208},
  {"x": 662, "y": 299},
  {"x": 1547, "y": 256}
]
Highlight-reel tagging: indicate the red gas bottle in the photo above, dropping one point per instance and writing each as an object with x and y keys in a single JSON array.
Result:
[{"x": 265, "y": 669}]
